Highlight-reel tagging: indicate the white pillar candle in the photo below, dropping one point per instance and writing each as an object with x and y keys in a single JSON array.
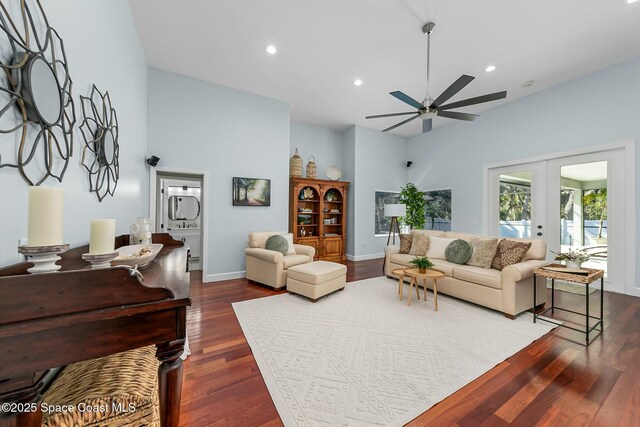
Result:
[
  {"x": 46, "y": 216},
  {"x": 103, "y": 235}
]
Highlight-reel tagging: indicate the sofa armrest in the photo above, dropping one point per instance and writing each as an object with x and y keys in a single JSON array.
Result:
[
  {"x": 391, "y": 249},
  {"x": 522, "y": 270},
  {"x": 388, "y": 251},
  {"x": 265, "y": 255},
  {"x": 309, "y": 251}
]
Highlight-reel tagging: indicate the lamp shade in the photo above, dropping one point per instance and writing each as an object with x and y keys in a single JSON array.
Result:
[{"x": 395, "y": 209}]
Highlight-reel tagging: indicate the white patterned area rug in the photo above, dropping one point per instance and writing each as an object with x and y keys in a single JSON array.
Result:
[{"x": 361, "y": 357}]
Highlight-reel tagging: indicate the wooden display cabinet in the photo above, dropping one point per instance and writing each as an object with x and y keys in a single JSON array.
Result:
[{"x": 318, "y": 216}]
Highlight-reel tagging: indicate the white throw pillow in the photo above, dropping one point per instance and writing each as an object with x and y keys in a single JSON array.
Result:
[
  {"x": 437, "y": 247},
  {"x": 289, "y": 238}
]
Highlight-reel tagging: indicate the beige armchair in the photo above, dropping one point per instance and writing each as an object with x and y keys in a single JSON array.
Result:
[{"x": 270, "y": 267}]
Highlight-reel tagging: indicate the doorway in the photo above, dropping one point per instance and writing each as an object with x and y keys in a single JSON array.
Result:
[
  {"x": 572, "y": 202},
  {"x": 178, "y": 207}
]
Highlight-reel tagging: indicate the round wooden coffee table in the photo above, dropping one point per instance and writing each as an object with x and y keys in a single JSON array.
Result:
[{"x": 430, "y": 273}]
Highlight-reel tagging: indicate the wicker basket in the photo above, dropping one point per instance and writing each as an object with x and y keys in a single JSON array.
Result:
[
  {"x": 295, "y": 165},
  {"x": 312, "y": 168}
]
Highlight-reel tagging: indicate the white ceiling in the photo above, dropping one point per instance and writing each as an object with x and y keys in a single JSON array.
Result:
[{"x": 324, "y": 45}]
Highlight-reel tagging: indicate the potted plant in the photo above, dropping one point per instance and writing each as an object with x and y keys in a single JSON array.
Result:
[
  {"x": 415, "y": 201},
  {"x": 573, "y": 258},
  {"x": 421, "y": 263}
]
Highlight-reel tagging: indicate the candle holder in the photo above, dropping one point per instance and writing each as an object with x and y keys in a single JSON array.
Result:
[
  {"x": 100, "y": 260},
  {"x": 43, "y": 258}
]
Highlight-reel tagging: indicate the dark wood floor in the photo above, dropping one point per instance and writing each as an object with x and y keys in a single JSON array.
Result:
[{"x": 555, "y": 381}]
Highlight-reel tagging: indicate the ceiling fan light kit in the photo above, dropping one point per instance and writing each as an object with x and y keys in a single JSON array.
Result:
[{"x": 429, "y": 108}]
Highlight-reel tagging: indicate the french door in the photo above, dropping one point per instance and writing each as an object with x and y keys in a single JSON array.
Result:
[{"x": 569, "y": 202}]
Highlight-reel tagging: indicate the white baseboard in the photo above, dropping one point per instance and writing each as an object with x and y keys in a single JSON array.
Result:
[
  {"x": 219, "y": 277},
  {"x": 364, "y": 257}
]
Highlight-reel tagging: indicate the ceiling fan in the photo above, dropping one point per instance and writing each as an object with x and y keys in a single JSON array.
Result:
[{"x": 430, "y": 107}]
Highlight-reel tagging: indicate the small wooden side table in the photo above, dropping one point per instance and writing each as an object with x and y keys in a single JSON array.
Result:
[
  {"x": 400, "y": 273},
  {"x": 430, "y": 273},
  {"x": 585, "y": 280}
]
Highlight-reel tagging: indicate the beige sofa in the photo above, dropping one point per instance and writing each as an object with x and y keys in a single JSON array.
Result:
[
  {"x": 509, "y": 291},
  {"x": 270, "y": 267}
]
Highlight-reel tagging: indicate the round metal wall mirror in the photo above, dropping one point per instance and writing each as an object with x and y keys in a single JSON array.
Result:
[
  {"x": 100, "y": 155},
  {"x": 35, "y": 94}
]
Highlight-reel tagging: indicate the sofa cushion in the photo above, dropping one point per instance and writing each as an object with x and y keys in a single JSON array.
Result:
[
  {"x": 538, "y": 249},
  {"x": 277, "y": 243},
  {"x": 295, "y": 259},
  {"x": 438, "y": 247},
  {"x": 509, "y": 252},
  {"x": 318, "y": 272},
  {"x": 445, "y": 266},
  {"x": 419, "y": 244},
  {"x": 481, "y": 276},
  {"x": 292, "y": 248},
  {"x": 402, "y": 259},
  {"x": 484, "y": 249},
  {"x": 405, "y": 243},
  {"x": 458, "y": 252}
]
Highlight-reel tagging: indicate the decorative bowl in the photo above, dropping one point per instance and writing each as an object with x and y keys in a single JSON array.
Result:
[
  {"x": 334, "y": 173},
  {"x": 126, "y": 255}
]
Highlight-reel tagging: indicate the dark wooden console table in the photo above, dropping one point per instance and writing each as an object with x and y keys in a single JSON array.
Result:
[{"x": 53, "y": 319}]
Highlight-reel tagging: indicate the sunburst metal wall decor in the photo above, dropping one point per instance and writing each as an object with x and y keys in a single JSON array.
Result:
[
  {"x": 100, "y": 155},
  {"x": 35, "y": 94}
]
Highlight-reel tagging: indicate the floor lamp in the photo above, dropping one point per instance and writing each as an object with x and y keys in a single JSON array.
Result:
[{"x": 394, "y": 211}]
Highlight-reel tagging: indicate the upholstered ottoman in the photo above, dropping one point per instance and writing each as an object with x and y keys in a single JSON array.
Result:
[{"x": 316, "y": 279}]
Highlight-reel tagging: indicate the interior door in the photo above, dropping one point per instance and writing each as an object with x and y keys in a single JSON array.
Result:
[{"x": 516, "y": 201}]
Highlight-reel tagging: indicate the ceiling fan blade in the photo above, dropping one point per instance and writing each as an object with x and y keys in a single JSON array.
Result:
[
  {"x": 390, "y": 115},
  {"x": 407, "y": 99},
  {"x": 401, "y": 123},
  {"x": 476, "y": 100},
  {"x": 459, "y": 116},
  {"x": 455, "y": 87},
  {"x": 426, "y": 125}
]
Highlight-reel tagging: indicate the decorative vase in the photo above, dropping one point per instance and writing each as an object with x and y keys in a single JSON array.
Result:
[
  {"x": 312, "y": 169},
  {"x": 422, "y": 270},
  {"x": 295, "y": 165},
  {"x": 573, "y": 264}
]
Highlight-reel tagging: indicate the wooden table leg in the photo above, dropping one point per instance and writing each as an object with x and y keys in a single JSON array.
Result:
[
  {"x": 424, "y": 283},
  {"x": 170, "y": 381},
  {"x": 435, "y": 294},
  {"x": 400, "y": 286}
]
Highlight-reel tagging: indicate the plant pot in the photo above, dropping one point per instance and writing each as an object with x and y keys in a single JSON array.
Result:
[
  {"x": 422, "y": 270},
  {"x": 573, "y": 264}
]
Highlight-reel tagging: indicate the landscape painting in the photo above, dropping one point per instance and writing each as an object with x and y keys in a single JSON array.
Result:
[
  {"x": 383, "y": 223},
  {"x": 251, "y": 192},
  {"x": 438, "y": 210}
]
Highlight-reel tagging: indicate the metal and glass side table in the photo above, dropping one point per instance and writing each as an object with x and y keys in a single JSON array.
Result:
[{"x": 554, "y": 272}]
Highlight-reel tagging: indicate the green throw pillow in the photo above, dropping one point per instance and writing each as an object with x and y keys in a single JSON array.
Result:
[
  {"x": 277, "y": 243},
  {"x": 458, "y": 252}
]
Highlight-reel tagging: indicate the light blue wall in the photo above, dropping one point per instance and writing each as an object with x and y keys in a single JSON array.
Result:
[
  {"x": 202, "y": 126},
  {"x": 380, "y": 164},
  {"x": 597, "y": 109},
  {"x": 322, "y": 143},
  {"x": 349, "y": 174},
  {"x": 102, "y": 47}
]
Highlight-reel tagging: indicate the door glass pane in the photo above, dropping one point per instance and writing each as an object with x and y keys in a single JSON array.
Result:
[
  {"x": 515, "y": 204},
  {"x": 583, "y": 211}
]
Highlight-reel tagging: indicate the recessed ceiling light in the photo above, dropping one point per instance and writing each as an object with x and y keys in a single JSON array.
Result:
[
  {"x": 357, "y": 82},
  {"x": 631, "y": 1},
  {"x": 271, "y": 49},
  {"x": 490, "y": 68}
]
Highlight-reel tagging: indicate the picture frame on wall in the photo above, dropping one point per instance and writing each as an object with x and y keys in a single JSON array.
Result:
[{"x": 251, "y": 191}]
